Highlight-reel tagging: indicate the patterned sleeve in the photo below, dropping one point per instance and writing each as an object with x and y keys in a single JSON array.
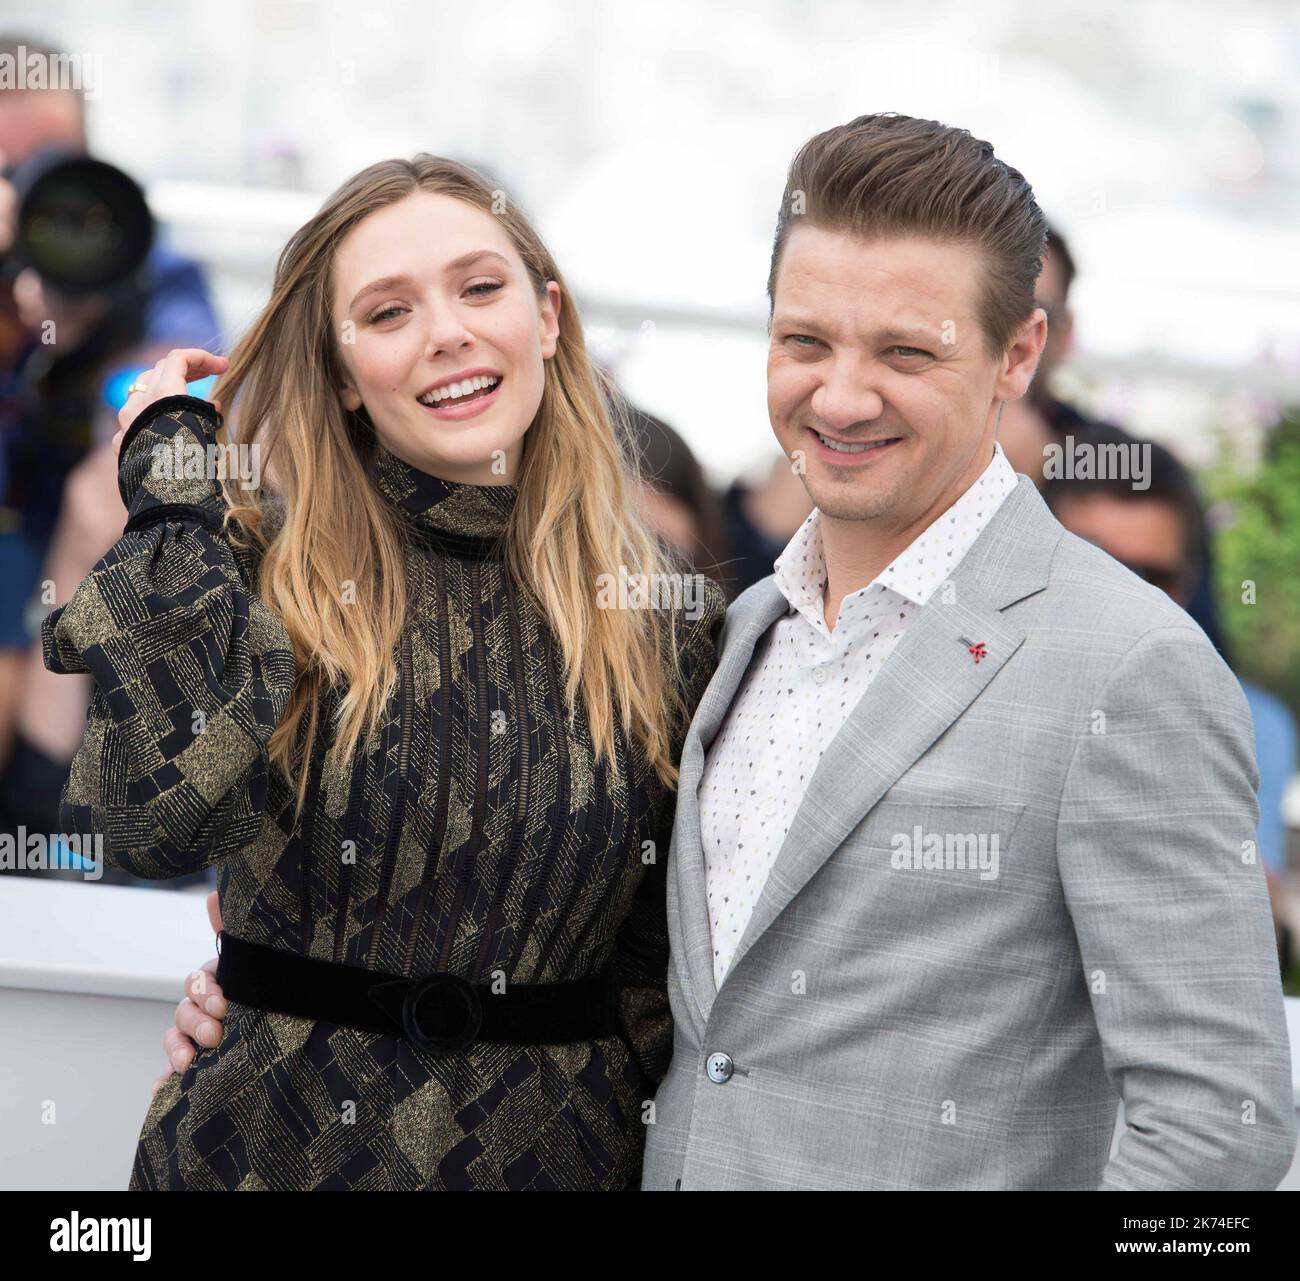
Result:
[
  {"x": 641, "y": 955},
  {"x": 192, "y": 670}
]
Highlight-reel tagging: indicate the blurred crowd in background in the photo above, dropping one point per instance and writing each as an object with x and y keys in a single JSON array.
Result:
[{"x": 1223, "y": 540}]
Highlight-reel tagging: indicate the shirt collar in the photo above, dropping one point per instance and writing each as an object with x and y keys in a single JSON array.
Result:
[
  {"x": 444, "y": 506},
  {"x": 915, "y": 574}
]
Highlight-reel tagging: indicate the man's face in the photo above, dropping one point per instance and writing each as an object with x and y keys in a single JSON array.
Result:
[
  {"x": 878, "y": 342},
  {"x": 1146, "y": 534},
  {"x": 36, "y": 119}
]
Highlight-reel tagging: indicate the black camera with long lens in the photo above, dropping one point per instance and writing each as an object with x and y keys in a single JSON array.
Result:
[
  {"x": 84, "y": 227},
  {"x": 83, "y": 224}
]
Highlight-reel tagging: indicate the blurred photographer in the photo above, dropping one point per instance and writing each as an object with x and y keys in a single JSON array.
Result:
[{"x": 81, "y": 311}]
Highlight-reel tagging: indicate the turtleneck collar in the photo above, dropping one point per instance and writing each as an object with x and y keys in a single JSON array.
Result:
[{"x": 458, "y": 517}]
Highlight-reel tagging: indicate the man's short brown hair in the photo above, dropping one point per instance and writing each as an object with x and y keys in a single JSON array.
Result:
[{"x": 892, "y": 175}]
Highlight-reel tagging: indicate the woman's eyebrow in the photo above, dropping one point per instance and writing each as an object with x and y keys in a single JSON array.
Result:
[
  {"x": 457, "y": 264},
  {"x": 469, "y": 259},
  {"x": 384, "y": 282}
]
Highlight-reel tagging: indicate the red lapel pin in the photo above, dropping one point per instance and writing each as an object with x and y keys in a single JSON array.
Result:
[{"x": 977, "y": 648}]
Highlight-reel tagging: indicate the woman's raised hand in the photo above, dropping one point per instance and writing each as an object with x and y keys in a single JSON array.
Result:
[{"x": 169, "y": 377}]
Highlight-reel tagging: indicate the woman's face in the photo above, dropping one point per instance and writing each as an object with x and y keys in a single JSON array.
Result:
[{"x": 442, "y": 336}]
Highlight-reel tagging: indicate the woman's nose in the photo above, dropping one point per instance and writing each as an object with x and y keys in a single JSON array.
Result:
[{"x": 447, "y": 332}]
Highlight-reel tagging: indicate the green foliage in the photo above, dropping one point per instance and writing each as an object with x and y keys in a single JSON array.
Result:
[{"x": 1261, "y": 546}]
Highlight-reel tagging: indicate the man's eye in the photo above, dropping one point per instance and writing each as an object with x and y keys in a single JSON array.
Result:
[
  {"x": 801, "y": 340},
  {"x": 911, "y": 351}
]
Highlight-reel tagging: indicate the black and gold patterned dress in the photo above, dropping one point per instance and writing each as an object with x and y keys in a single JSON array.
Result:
[{"x": 477, "y": 837}]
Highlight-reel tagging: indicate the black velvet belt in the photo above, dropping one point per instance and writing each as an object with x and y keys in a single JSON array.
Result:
[{"x": 439, "y": 1012}]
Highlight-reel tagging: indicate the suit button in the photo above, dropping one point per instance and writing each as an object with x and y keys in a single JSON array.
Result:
[{"x": 719, "y": 1068}]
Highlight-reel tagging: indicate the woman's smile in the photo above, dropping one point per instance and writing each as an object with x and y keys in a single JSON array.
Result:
[{"x": 466, "y": 396}]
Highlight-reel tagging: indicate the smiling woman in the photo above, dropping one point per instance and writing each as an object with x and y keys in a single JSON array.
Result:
[
  {"x": 436, "y": 777},
  {"x": 471, "y": 310}
]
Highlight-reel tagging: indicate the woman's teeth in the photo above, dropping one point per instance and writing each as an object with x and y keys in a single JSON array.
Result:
[
  {"x": 458, "y": 391},
  {"x": 851, "y": 449}
]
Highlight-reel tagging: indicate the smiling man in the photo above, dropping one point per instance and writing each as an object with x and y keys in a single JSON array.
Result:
[{"x": 937, "y": 672}]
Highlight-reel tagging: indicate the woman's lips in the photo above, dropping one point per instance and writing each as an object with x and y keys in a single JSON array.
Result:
[
  {"x": 842, "y": 459},
  {"x": 470, "y": 408}
]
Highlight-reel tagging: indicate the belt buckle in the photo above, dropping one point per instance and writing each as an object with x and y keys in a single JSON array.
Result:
[{"x": 456, "y": 1001}]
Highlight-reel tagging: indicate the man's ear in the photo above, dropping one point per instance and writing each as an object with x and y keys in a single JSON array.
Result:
[
  {"x": 548, "y": 318},
  {"x": 1021, "y": 359}
]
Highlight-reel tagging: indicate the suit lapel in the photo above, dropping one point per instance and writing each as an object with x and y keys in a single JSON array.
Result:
[
  {"x": 929, "y": 680},
  {"x": 924, "y": 686},
  {"x": 688, "y": 908}
]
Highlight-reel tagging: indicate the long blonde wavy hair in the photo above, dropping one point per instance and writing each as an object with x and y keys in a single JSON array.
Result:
[{"x": 576, "y": 516}]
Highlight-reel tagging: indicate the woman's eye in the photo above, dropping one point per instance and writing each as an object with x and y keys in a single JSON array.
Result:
[{"x": 480, "y": 290}]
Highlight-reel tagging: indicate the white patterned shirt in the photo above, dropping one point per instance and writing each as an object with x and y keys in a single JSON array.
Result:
[{"x": 802, "y": 683}]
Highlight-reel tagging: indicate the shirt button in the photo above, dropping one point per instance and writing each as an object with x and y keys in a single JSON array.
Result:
[
  {"x": 819, "y": 675},
  {"x": 719, "y": 1068},
  {"x": 769, "y": 806}
]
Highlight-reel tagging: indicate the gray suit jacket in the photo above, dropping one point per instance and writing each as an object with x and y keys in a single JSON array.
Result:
[{"x": 896, "y": 1020}]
